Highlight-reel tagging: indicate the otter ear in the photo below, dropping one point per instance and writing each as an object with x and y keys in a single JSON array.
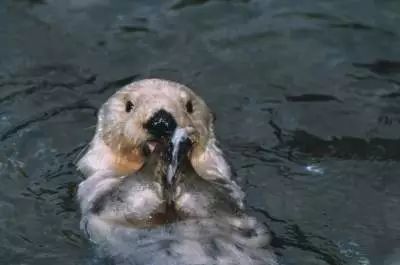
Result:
[{"x": 99, "y": 157}]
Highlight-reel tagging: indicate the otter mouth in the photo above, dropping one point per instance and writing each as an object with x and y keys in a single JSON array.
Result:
[
  {"x": 172, "y": 150},
  {"x": 151, "y": 145},
  {"x": 178, "y": 149}
]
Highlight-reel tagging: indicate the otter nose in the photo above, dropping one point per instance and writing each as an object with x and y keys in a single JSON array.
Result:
[{"x": 161, "y": 124}]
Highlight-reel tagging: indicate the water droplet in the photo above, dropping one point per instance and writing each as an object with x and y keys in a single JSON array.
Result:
[{"x": 315, "y": 169}]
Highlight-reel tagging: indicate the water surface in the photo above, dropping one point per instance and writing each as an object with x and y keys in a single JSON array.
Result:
[{"x": 307, "y": 100}]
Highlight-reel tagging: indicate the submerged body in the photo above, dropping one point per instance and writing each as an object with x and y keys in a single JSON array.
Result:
[
  {"x": 139, "y": 223},
  {"x": 179, "y": 205}
]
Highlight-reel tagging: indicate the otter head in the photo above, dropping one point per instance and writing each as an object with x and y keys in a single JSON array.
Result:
[{"x": 145, "y": 114}]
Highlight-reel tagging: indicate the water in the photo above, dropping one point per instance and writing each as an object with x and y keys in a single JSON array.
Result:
[{"x": 305, "y": 92}]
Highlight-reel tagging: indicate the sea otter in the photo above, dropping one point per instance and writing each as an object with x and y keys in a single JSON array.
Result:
[{"x": 158, "y": 190}]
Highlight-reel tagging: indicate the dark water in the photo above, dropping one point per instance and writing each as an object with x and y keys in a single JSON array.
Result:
[{"x": 307, "y": 99}]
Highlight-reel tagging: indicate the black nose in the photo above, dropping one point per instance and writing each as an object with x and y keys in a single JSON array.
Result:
[{"x": 161, "y": 124}]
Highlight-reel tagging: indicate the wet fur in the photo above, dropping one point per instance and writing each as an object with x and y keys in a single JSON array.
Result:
[{"x": 123, "y": 201}]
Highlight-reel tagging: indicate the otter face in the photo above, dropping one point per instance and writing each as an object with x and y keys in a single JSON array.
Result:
[
  {"x": 140, "y": 116},
  {"x": 143, "y": 113}
]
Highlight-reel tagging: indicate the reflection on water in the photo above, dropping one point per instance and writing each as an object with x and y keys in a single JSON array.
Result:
[{"x": 306, "y": 96}]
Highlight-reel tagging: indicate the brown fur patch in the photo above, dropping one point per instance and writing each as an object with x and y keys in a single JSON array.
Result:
[{"x": 128, "y": 163}]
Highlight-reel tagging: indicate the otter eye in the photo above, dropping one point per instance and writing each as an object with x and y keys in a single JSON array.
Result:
[
  {"x": 128, "y": 106},
  {"x": 189, "y": 106}
]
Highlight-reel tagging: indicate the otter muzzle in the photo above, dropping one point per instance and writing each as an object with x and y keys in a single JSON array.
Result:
[{"x": 161, "y": 124}]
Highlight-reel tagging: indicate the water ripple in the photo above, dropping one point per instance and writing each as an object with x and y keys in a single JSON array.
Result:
[
  {"x": 352, "y": 148},
  {"x": 81, "y": 105},
  {"x": 311, "y": 98},
  {"x": 294, "y": 236},
  {"x": 187, "y": 3},
  {"x": 116, "y": 84},
  {"x": 381, "y": 66}
]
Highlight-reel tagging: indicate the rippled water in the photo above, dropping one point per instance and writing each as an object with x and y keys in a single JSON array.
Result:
[{"x": 307, "y": 100}]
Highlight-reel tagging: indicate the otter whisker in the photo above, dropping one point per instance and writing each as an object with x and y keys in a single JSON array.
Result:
[
  {"x": 79, "y": 155},
  {"x": 119, "y": 108},
  {"x": 90, "y": 127}
]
